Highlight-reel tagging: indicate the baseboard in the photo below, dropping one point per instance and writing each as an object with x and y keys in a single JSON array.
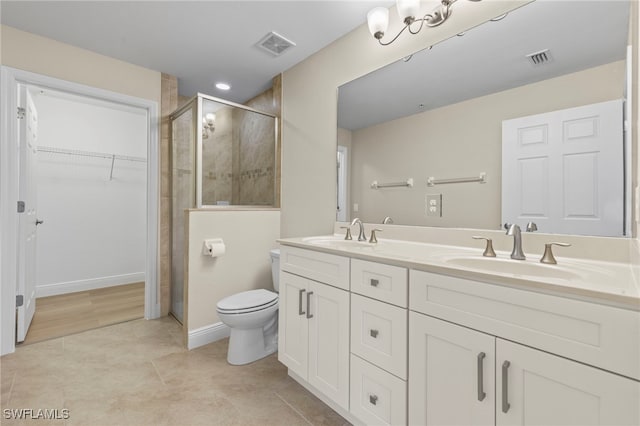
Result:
[
  {"x": 90, "y": 284},
  {"x": 207, "y": 334}
]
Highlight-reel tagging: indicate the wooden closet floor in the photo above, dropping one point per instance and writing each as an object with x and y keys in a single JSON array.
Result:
[{"x": 66, "y": 314}]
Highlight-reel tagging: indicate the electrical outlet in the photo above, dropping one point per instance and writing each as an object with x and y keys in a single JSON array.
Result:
[
  {"x": 355, "y": 207},
  {"x": 433, "y": 206}
]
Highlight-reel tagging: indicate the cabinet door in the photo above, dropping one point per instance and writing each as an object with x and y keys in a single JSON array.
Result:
[
  {"x": 293, "y": 324},
  {"x": 451, "y": 374},
  {"x": 536, "y": 388},
  {"x": 329, "y": 341}
]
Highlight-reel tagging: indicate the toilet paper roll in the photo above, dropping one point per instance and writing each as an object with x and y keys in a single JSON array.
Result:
[{"x": 214, "y": 247}]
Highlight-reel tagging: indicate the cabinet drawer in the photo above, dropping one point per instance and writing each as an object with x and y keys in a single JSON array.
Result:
[
  {"x": 323, "y": 267},
  {"x": 379, "y": 334},
  {"x": 383, "y": 282},
  {"x": 377, "y": 397},
  {"x": 598, "y": 335}
]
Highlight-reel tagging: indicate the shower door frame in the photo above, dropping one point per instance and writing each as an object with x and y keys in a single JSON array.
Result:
[{"x": 199, "y": 97}]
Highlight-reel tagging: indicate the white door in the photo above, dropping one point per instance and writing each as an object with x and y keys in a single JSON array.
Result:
[
  {"x": 451, "y": 374},
  {"x": 293, "y": 333},
  {"x": 28, "y": 134},
  {"x": 543, "y": 389},
  {"x": 329, "y": 341},
  {"x": 563, "y": 170}
]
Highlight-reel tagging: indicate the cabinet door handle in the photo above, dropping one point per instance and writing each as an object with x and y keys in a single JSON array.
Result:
[
  {"x": 505, "y": 386},
  {"x": 374, "y": 282},
  {"x": 300, "y": 311},
  {"x": 309, "y": 304},
  {"x": 373, "y": 399},
  {"x": 481, "y": 392},
  {"x": 374, "y": 333}
]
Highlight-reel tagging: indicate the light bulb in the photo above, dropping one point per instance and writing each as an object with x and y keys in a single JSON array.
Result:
[
  {"x": 408, "y": 10},
  {"x": 378, "y": 21},
  {"x": 210, "y": 118}
]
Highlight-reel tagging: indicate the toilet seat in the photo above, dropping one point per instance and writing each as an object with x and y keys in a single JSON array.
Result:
[{"x": 248, "y": 301}]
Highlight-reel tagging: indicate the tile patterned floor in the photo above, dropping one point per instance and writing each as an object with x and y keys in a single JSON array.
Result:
[{"x": 138, "y": 373}]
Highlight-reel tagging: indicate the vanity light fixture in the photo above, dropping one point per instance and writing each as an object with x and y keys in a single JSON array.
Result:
[{"x": 378, "y": 18}]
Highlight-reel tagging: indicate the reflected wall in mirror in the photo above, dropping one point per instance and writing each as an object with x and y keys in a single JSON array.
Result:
[{"x": 439, "y": 113}]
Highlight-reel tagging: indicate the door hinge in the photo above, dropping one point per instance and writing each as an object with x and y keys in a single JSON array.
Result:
[
  {"x": 19, "y": 300},
  {"x": 20, "y": 113},
  {"x": 21, "y": 206}
]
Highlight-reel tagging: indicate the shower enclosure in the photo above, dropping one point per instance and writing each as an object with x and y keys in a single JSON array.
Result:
[{"x": 223, "y": 154}]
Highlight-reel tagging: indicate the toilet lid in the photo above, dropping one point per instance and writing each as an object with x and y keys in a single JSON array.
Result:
[{"x": 247, "y": 300}]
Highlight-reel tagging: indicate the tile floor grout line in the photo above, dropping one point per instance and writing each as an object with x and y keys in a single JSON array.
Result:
[
  {"x": 293, "y": 408},
  {"x": 158, "y": 372}
]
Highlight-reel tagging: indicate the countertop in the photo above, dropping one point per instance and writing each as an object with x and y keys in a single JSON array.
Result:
[{"x": 603, "y": 282}]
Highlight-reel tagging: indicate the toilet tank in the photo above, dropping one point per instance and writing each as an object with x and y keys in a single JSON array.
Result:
[{"x": 275, "y": 268}]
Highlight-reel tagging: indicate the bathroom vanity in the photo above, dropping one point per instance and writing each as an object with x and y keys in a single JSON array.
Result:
[{"x": 413, "y": 333}]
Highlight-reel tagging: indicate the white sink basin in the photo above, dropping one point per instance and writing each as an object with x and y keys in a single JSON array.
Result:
[
  {"x": 339, "y": 243},
  {"x": 513, "y": 267}
]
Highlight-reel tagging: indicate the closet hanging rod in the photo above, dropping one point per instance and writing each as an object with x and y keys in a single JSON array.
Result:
[
  {"x": 80, "y": 153},
  {"x": 480, "y": 179},
  {"x": 408, "y": 183}
]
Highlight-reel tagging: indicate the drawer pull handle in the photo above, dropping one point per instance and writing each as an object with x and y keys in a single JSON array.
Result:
[
  {"x": 300, "y": 311},
  {"x": 373, "y": 399},
  {"x": 481, "y": 393},
  {"x": 505, "y": 386},
  {"x": 309, "y": 304},
  {"x": 374, "y": 333},
  {"x": 374, "y": 282}
]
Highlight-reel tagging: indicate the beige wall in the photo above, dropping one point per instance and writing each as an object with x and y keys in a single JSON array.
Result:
[
  {"x": 248, "y": 236},
  {"x": 309, "y": 92},
  {"x": 460, "y": 140},
  {"x": 45, "y": 56}
]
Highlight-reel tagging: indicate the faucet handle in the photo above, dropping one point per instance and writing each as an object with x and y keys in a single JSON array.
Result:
[
  {"x": 373, "y": 238},
  {"x": 348, "y": 234},
  {"x": 488, "y": 250},
  {"x": 548, "y": 257},
  {"x": 531, "y": 227}
]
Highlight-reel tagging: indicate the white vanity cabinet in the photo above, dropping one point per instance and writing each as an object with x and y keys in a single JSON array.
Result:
[
  {"x": 313, "y": 338},
  {"x": 455, "y": 371}
]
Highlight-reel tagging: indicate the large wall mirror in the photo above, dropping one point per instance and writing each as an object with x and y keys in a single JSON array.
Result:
[{"x": 421, "y": 140}]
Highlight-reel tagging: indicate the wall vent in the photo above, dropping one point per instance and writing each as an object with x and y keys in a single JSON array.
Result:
[
  {"x": 539, "y": 58},
  {"x": 275, "y": 44}
]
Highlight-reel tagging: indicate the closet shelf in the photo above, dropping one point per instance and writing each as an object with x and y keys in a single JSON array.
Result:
[
  {"x": 80, "y": 153},
  {"x": 91, "y": 154}
]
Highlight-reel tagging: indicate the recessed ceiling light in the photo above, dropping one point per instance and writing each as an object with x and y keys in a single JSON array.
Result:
[{"x": 223, "y": 86}]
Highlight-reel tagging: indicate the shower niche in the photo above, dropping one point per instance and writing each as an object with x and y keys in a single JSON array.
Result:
[{"x": 223, "y": 154}]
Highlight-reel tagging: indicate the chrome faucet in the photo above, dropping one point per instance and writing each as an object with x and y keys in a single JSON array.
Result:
[
  {"x": 361, "y": 236},
  {"x": 514, "y": 230},
  {"x": 387, "y": 220}
]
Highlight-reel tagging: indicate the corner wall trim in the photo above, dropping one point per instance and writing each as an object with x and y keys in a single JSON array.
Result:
[{"x": 207, "y": 334}]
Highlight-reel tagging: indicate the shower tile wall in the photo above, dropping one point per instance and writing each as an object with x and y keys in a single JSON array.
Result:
[
  {"x": 217, "y": 160},
  {"x": 254, "y": 153}
]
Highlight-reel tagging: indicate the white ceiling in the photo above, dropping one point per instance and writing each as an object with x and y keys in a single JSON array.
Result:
[
  {"x": 200, "y": 42},
  {"x": 490, "y": 58}
]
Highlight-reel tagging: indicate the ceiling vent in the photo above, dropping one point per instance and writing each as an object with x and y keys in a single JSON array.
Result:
[
  {"x": 540, "y": 58},
  {"x": 275, "y": 44}
]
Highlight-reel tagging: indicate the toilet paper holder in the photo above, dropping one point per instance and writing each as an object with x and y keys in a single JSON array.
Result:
[{"x": 213, "y": 247}]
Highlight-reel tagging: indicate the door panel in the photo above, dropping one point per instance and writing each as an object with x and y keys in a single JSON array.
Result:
[
  {"x": 449, "y": 366},
  {"x": 543, "y": 389},
  {"x": 28, "y": 220},
  {"x": 329, "y": 342},
  {"x": 293, "y": 334},
  {"x": 564, "y": 170}
]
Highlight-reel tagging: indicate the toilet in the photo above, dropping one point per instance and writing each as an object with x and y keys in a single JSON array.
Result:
[{"x": 252, "y": 317}]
